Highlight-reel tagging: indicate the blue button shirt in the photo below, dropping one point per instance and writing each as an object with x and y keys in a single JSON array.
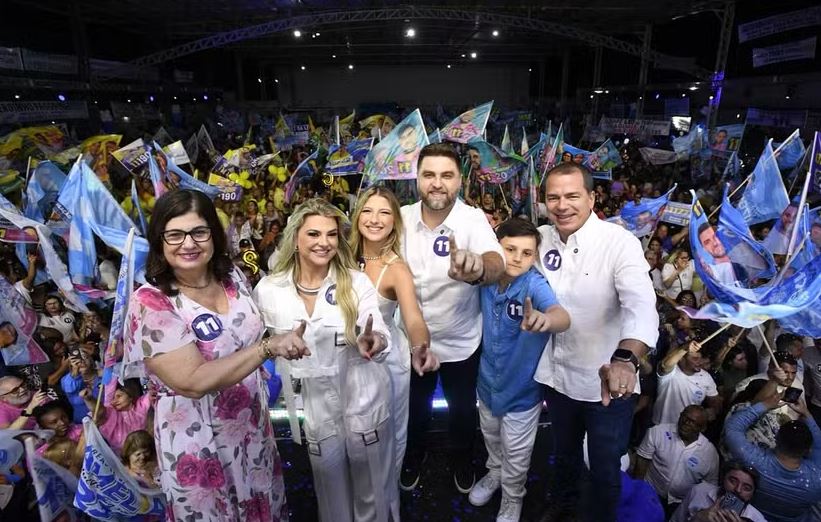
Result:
[{"x": 509, "y": 355}]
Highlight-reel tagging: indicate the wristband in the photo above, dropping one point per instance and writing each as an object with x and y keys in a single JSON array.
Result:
[{"x": 480, "y": 280}]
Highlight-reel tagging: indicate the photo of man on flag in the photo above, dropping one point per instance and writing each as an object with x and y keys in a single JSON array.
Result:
[
  {"x": 395, "y": 156},
  {"x": 468, "y": 126}
]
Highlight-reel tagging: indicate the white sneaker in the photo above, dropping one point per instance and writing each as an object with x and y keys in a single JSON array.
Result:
[
  {"x": 483, "y": 491},
  {"x": 510, "y": 509}
]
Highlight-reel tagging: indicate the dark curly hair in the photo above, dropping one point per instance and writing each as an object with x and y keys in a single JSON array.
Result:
[{"x": 174, "y": 204}]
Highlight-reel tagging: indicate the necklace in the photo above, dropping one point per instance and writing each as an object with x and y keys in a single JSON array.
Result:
[
  {"x": 371, "y": 258},
  {"x": 180, "y": 283},
  {"x": 307, "y": 291}
]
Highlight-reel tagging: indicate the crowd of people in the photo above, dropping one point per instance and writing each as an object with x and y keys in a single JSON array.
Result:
[{"x": 366, "y": 303}]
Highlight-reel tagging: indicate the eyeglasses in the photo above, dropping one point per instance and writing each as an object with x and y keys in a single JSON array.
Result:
[
  {"x": 14, "y": 391},
  {"x": 177, "y": 237}
]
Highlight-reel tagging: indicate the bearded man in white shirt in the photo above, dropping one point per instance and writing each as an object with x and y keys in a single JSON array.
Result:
[{"x": 598, "y": 272}]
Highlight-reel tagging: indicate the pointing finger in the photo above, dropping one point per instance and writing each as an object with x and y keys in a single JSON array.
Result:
[
  {"x": 528, "y": 307},
  {"x": 452, "y": 244},
  {"x": 368, "y": 326},
  {"x": 300, "y": 330}
]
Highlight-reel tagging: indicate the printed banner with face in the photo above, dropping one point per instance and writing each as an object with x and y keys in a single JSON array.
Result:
[
  {"x": 54, "y": 486},
  {"x": 765, "y": 196},
  {"x": 348, "y": 158},
  {"x": 490, "y": 164},
  {"x": 605, "y": 158},
  {"x": 18, "y": 321},
  {"x": 395, "y": 156},
  {"x": 468, "y": 126},
  {"x": 790, "y": 152},
  {"x": 641, "y": 219}
]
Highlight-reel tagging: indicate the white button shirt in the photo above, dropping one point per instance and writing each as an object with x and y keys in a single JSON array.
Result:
[
  {"x": 450, "y": 308},
  {"x": 677, "y": 390},
  {"x": 676, "y": 468},
  {"x": 363, "y": 400},
  {"x": 600, "y": 277}
]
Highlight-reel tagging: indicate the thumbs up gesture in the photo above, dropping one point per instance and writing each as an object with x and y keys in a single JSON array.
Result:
[
  {"x": 534, "y": 320},
  {"x": 464, "y": 264},
  {"x": 369, "y": 342}
]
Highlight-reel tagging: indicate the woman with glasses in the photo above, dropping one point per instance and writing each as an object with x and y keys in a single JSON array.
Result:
[
  {"x": 677, "y": 273},
  {"x": 346, "y": 387},
  {"x": 197, "y": 334}
]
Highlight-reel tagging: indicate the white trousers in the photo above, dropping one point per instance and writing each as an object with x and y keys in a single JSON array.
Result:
[
  {"x": 509, "y": 441},
  {"x": 398, "y": 367}
]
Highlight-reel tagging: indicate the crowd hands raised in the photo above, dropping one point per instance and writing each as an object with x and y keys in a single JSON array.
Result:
[{"x": 366, "y": 304}]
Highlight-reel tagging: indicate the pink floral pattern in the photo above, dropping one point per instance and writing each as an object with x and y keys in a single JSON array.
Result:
[{"x": 209, "y": 448}]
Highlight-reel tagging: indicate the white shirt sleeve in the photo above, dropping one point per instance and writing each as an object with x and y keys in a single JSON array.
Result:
[
  {"x": 640, "y": 320},
  {"x": 482, "y": 237},
  {"x": 712, "y": 474},
  {"x": 647, "y": 448}
]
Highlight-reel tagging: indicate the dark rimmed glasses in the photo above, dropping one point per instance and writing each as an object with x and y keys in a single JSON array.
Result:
[{"x": 177, "y": 237}]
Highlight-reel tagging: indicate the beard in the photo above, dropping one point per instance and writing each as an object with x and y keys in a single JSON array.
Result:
[{"x": 439, "y": 203}]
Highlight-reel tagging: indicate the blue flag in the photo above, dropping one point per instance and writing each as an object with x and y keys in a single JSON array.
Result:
[
  {"x": 182, "y": 179},
  {"x": 303, "y": 173},
  {"x": 732, "y": 170},
  {"x": 751, "y": 260},
  {"x": 54, "y": 485},
  {"x": 435, "y": 136},
  {"x": 42, "y": 190},
  {"x": 790, "y": 152},
  {"x": 765, "y": 196},
  {"x": 815, "y": 165},
  {"x": 394, "y": 157},
  {"x": 138, "y": 209},
  {"x": 345, "y": 159},
  {"x": 641, "y": 219},
  {"x": 106, "y": 490},
  {"x": 157, "y": 175},
  {"x": 493, "y": 165}
]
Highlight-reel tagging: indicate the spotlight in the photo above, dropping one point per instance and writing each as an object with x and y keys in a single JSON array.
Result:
[
  {"x": 350, "y": 67},
  {"x": 641, "y": 97},
  {"x": 693, "y": 87},
  {"x": 463, "y": 56},
  {"x": 276, "y": 80},
  {"x": 474, "y": 54},
  {"x": 205, "y": 97},
  {"x": 711, "y": 97},
  {"x": 658, "y": 96},
  {"x": 787, "y": 97},
  {"x": 591, "y": 96},
  {"x": 683, "y": 95},
  {"x": 448, "y": 66},
  {"x": 598, "y": 91},
  {"x": 129, "y": 100},
  {"x": 626, "y": 141},
  {"x": 61, "y": 97},
  {"x": 259, "y": 80},
  {"x": 175, "y": 97},
  {"x": 738, "y": 116},
  {"x": 297, "y": 33},
  {"x": 529, "y": 69},
  {"x": 151, "y": 98},
  {"x": 302, "y": 67},
  {"x": 333, "y": 56},
  {"x": 495, "y": 33},
  {"x": 410, "y": 33},
  {"x": 16, "y": 96}
]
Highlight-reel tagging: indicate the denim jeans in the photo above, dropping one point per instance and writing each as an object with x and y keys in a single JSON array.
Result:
[{"x": 608, "y": 433}]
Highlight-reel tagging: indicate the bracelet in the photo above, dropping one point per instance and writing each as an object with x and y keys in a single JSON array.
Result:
[
  {"x": 264, "y": 350},
  {"x": 414, "y": 348}
]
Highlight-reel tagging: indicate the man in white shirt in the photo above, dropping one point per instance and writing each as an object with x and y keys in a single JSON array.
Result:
[
  {"x": 675, "y": 457},
  {"x": 702, "y": 503},
  {"x": 450, "y": 249},
  {"x": 682, "y": 382},
  {"x": 598, "y": 273}
]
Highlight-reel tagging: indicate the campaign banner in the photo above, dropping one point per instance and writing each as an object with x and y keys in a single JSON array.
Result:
[
  {"x": 657, "y": 156},
  {"x": 18, "y": 321},
  {"x": 470, "y": 125},
  {"x": 779, "y": 23},
  {"x": 605, "y": 158},
  {"x": 229, "y": 191},
  {"x": 676, "y": 214},
  {"x": 490, "y": 164},
  {"x": 11, "y": 234},
  {"x": 610, "y": 126},
  {"x": 791, "y": 151},
  {"x": 10, "y": 58},
  {"x": 346, "y": 159},
  {"x": 33, "y": 111},
  {"x": 764, "y": 197},
  {"x": 776, "y": 118},
  {"x": 395, "y": 156},
  {"x": 641, "y": 219},
  {"x": 786, "y": 52},
  {"x": 54, "y": 486},
  {"x": 815, "y": 165},
  {"x": 134, "y": 157}
]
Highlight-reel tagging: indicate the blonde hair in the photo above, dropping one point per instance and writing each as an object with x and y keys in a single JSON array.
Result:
[
  {"x": 342, "y": 262},
  {"x": 394, "y": 241}
]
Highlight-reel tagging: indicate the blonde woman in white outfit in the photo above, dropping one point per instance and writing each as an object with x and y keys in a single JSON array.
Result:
[
  {"x": 376, "y": 240},
  {"x": 346, "y": 387}
]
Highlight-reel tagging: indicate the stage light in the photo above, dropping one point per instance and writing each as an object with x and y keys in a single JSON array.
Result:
[
  {"x": 598, "y": 91},
  {"x": 259, "y": 80},
  {"x": 711, "y": 97},
  {"x": 658, "y": 96},
  {"x": 129, "y": 100},
  {"x": 297, "y": 33},
  {"x": 626, "y": 141},
  {"x": 276, "y": 80},
  {"x": 474, "y": 54},
  {"x": 591, "y": 96},
  {"x": 529, "y": 69},
  {"x": 448, "y": 66},
  {"x": 787, "y": 97},
  {"x": 693, "y": 87},
  {"x": 350, "y": 67},
  {"x": 151, "y": 98},
  {"x": 606, "y": 92},
  {"x": 16, "y": 96},
  {"x": 495, "y": 33},
  {"x": 683, "y": 95},
  {"x": 463, "y": 56},
  {"x": 410, "y": 33},
  {"x": 302, "y": 67},
  {"x": 175, "y": 97},
  {"x": 205, "y": 97},
  {"x": 333, "y": 56},
  {"x": 738, "y": 116},
  {"x": 641, "y": 97},
  {"x": 61, "y": 97}
]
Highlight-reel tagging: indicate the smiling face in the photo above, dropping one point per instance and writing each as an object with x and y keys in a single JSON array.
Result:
[
  {"x": 376, "y": 219},
  {"x": 13, "y": 391},
  {"x": 56, "y": 420},
  {"x": 438, "y": 182},
  {"x": 317, "y": 241},
  {"x": 190, "y": 255},
  {"x": 407, "y": 140},
  {"x": 520, "y": 254},
  {"x": 569, "y": 203},
  {"x": 121, "y": 400}
]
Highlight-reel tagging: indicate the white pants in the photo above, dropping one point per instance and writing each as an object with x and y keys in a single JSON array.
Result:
[
  {"x": 509, "y": 441},
  {"x": 398, "y": 363},
  {"x": 354, "y": 476}
]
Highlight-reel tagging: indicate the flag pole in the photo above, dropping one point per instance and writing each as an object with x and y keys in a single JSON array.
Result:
[
  {"x": 803, "y": 200},
  {"x": 731, "y": 195},
  {"x": 767, "y": 344}
]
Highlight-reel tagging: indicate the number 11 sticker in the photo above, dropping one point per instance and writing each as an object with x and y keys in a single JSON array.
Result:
[
  {"x": 553, "y": 260},
  {"x": 207, "y": 327}
]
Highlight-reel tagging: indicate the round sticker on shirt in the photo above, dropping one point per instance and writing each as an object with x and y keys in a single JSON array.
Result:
[
  {"x": 68, "y": 320},
  {"x": 692, "y": 462},
  {"x": 553, "y": 260},
  {"x": 698, "y": 395},
  {"x": 330, "y": 295},
  {"x": 441, "y": 246},
  {"x": 514, "y": 310},
  {"x": 207, "y": 327}
]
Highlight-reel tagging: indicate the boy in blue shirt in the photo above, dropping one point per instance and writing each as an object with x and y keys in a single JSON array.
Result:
[{"x": 518, "y": 316}]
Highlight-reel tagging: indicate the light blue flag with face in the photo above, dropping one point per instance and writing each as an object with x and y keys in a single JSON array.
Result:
[
  {"x": 734, "y": 303},
  {"x": 138, "y": 209},
  {"x": 468, "y": 126},
  {"x": 493, "y": 165},
  {"x": 346, "y": 159},
  {"x": 536, "y": 152},
  {"x": 184, "y": 180},
  {"x": 808, "y": 321},
  {"x": 765, "y": 196},
  {"x": 641, "y": 219},
  {"x": 751, "y": 259},
  {"x": 54, "y": 486},
  {"x": 106, "y": 490},
  {"x": 605, "y": 158},
  {"x": 394, "y": 157},
  {"x": 790, "y": 151},
  {"x": 157, "y": 175},
  {"x": 732, "y": 170},
  {"x": 42, "y": 190}
]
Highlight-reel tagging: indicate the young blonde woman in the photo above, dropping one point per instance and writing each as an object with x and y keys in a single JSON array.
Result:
[
  {"x": 346, "y": 387},
  {"x": 376, "y": 239}
]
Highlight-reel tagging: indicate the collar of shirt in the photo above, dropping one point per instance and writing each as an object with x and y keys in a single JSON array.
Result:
[
  {"x": 448, "y": 224},
  {"x": 583, "y": 237},
  {"x": 285, "y": 279}
]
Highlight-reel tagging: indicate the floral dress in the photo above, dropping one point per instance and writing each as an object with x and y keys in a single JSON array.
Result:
[{"x": 217, "y": 456}]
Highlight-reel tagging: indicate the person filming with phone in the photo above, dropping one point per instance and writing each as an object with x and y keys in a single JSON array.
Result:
[{"x": 730, "y": 501}]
